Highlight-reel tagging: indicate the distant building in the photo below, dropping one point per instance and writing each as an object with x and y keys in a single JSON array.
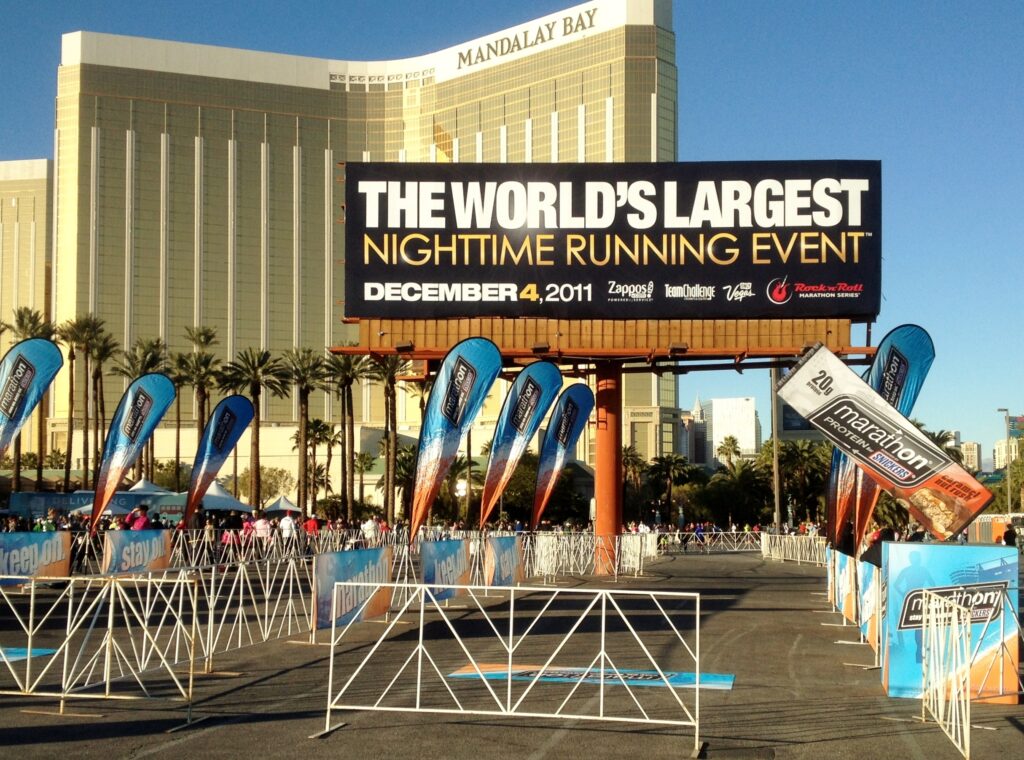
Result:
[
  {"x": 736, "y": 417},
  {"x": 999, "y": 452},
  {"x": 971, "y": 452}
]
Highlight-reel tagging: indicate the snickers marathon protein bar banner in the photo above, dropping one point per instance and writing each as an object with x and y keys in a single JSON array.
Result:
[
  {"x": 939, "y": 493},
  {"x": 614, "y": 241}
]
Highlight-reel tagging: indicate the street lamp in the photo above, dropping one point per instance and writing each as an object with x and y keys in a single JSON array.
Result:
[{"x": 1009, "y": 490}]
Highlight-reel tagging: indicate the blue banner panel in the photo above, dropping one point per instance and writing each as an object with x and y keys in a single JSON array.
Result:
[
  {"x": 982, "y": 578},
  {"x": 567, "y": 422},
  {"x": 142, "y": 407},
  {"x": 136, "y": 551},
  {"x": 229, "y": 420},
  {"x": 445, "y": 563},
  {"x": 36, "y": 555},
  {"x": 26, "y": 372},
  {"x": 460, "y": 388},
  {"x": 503, "y": 564},
  {"x": 354, "y": 603},
  {"x": 527, "y": 403}
]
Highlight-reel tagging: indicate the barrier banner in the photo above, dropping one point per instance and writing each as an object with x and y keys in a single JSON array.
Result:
[
  {"x": 939, "y": 493},
  {"x": 26, "y": 372},
  {"x": 526, "y": 405},
  {"x": 462, "y": 383},
  {"x": 503, "y": 561},
  {"x": 900, "y": 365},
  {"x": 696, "y": 240},
  {"x": 867, "y": 582},
  {"x": 981, "y": 578},
  {"x": 445, "y": 563},
  {"x": 30, "y": 554},
  {"x": 227, "y": 423},
  {"x": 354, "y": 603},
  {"x": 141, "y": 409},
  {"x": 136, "y": 551},
  {"x": 567, "y": 422},
  {"x": 846, "y": 586}
]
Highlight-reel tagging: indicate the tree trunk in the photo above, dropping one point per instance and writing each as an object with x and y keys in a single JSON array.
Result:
[
  {"x": 350, "y": 456},
  {"x": 71, "y": 420},
  {"x": 41, "y": 441},
  {"x": 254, "y": 450},
  {"x": 392, "y": 414},
  {"x": 16, "y": 479},
  {"x": 177, "y": 445},
  {"x": 303, "y": 452},
  {"x": 85, "y": 422}
]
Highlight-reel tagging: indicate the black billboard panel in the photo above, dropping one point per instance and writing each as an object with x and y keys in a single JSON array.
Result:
[{"x": 741, "y": 240}]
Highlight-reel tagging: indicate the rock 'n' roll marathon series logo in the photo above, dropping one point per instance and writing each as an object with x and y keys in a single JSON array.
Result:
[
  {"x": 457, "y": 393},
  {"x": 136, "y": 418},
  {"x": 984, "y": 600},
  {"x": 17, "y": 385},
  {"x": 526, "y": 405},
  {"x": 878, "y": 443}
]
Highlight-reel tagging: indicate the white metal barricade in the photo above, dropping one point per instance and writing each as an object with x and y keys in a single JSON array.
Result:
[
  {"x": 946, "y": 668},
  {"x": 799, "y": 549},
  {"x": 528, "y": 652},
  {"x": 99, "y": 637}
]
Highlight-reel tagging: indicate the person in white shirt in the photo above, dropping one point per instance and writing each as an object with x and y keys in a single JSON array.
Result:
[{"x": 287, "y": 526}]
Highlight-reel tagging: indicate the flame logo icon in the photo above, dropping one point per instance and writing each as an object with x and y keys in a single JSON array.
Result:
[{"x": 779, "y": 291}]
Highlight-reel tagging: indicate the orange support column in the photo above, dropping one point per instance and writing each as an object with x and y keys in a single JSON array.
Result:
[{"x": 608, "y": 469}]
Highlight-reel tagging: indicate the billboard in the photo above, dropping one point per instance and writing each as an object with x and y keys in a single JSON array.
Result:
[{"x": 714, "y": 240}]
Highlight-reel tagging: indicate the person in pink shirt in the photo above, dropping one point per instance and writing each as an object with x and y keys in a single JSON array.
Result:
[{"x": 138, "y": 519}]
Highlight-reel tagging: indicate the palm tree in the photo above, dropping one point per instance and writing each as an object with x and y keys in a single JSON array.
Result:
[
  {"x": 729, "y": 450},
  {"x": 670, "y": 469},
  {"x": 306, "y": 372},
  {"x": 177, "y": 371},
  {"x": 386, "y": 370},
  {"x": 633, "y": 467},
  {"x": 362, "y": 464},
  {"x": 103, "y": 350},
  {"x": 804, "y": 468},
  {"x": 78, "y": 335},
  {"x": 347, "y": 370},
  {"x": 253, "y": 371},
  {"x": 318, "y": 433},
  {"x": 30, "y": 323}
]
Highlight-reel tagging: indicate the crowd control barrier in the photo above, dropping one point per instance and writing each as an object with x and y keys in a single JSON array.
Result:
[
  {"x": 946, "y": 666},
  {"x": 800, "y": 549},
  {"x": 523, "y": 652},
  {"x": 98, "y": 637}
]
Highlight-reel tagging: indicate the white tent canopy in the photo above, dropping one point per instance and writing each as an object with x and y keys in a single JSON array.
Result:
[
  {"x": 281, "y": 504},
  {"x": 111, "y": 510},
  {"x": 147, "y": 486},
  {"x": 219, "y": 498}
]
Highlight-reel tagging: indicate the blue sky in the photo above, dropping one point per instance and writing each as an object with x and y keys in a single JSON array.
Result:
[{"x": 932, "y": 89}]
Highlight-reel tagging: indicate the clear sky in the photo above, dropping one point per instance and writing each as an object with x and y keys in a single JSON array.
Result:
[{"x": 935, "y": 90}]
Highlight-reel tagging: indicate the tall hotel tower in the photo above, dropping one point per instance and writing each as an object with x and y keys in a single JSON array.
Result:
[{"x": 199, "y": 185}]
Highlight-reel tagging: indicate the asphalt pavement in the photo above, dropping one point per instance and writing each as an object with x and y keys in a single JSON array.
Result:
[{"x": 804, "y": 688}]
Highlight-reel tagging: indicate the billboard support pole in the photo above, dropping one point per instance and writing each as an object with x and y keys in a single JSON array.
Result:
[
  {"x": 608, "y": 458},
  {"x": 776, "y": 479}
]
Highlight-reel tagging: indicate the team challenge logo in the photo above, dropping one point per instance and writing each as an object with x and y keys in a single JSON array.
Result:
[{"x": 691, "y": 292}]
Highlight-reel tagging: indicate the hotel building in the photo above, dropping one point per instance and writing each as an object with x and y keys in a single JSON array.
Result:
[{"x": 198, "y": 185}]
